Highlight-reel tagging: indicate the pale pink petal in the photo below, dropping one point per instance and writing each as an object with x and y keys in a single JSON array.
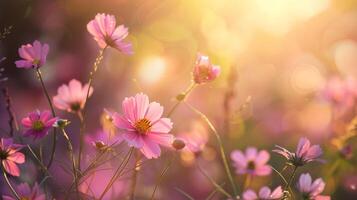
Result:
[
  {"x": 150, "y": 149},
  {"x": 154, "y": 112},
  {"x": 264, "y": 193},
  {"x": 11, "y": 168},
  {"x": 142, "y": 104},
  {"x": 23, "y": 64},
  {"x": 164, "y": 125},
  {"x": 129, "y": 109},
  {"x": 238, "y": 157},
  {"x": 121, "y": 123},
  {"x": 277, "y": 193},
  {"x": 251, "y": 153},
  {"x": 249, "y": 195},
  {"x": 17, "y": 157},
  {"x": 263, "y": 170},
  {"x": 262, "y": 157},
  {"x": 133, "y": 139},
  {"x": 161, "y": 138}
]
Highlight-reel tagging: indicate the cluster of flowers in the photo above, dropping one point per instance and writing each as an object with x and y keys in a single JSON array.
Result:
[{"x": 142, "y": 125}]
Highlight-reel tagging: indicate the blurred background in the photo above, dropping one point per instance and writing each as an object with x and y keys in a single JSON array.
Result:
[{"x": 277, "y": 58}]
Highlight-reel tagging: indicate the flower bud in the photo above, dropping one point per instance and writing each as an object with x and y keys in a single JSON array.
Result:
[
  {"x": 204, "y": 71},
  {"x": 61, "y": 123},
  {"x": 178, "y": 144}
]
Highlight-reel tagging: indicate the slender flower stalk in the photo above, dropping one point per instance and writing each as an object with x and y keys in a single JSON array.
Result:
[
  {"x": 162, "y": 174},
  {"x": 81, "y": 116},
  {"x": 287, "y": 186},
  {"x": 9, "y": 111},
  {"x": 9, "y": 184},
  {"x": 135, "y": 175},
  {"x": 221, "y": 148},
  {"x": 117, "y": 172},
  {"x": 39, "y": 75},
  {"x": 71, "y": 155}
]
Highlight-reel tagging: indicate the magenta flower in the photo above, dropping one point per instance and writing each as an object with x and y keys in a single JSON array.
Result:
[
  {"x": 38, "y": 123},
  {"x": 252, "y": 162},
  {"x": 32, "y": 55},
  {"x": 264, "y": 194},
  {"x": 10, "y": 156},
  {"x": 204, "y": 71},
  {"x": 26, "y": 193},
  {"x": 305, "y": 153},
  {"x": 142, "y": 126},
  {"x": 72, "y": 97},
  {"x": 103, "y": 29},
  {"x": 311, "y": 190},
  {"x": 340, "y": 92}
]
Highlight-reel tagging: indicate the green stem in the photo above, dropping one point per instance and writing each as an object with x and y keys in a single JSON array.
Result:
[
  {"x": 135, "y": 175},
  {"x": 71, "y": 155},
  {"x": 9, "y": 184},
  {"x": 81, "y": 139},
  {"x": 161, "y": 177},
  {"x": 247, "y": 181},
  {"x": 291, "y": 178},
  {"x": 39, "y": 74},
  {"x": 117, "y": 172},
  {"x": 221, "y": 148}
]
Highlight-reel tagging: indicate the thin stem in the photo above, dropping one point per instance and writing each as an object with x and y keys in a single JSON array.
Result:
[
  {"x": 9, "y": 184},
  {"x": 135, "y": 175},
  {"x": 71, "y": 155},
  {"x": 216, "y": 185},
  {"x": 98, "y": 60},
  {"x": 117, "y": 172},
  {"x": 221, "y": 148},
  {"x": 43, "y": 167},
  {"x": 81, "y": 139},
  {"x": 184, "y": 194},
  {"x": 53, "y": 114},
  {"x": 213, "y": 193},
  {"x": 181, "y": 97},
  {"x": 291, "y": 178},
  {"x": 247, "y": 181},
  {"x": 161, "y": 177},
  {"x": 9, "y": 110}
]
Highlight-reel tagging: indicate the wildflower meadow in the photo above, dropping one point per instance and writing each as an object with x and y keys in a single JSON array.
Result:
[{"x": 176, "y": 99}]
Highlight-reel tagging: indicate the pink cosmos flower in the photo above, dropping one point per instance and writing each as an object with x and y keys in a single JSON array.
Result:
[
  {"x": 32, "y": 55},
  {"x": 26, "y": 193},
  {"x": 252, "y": 162},
  {"x": 305, "y": 153},
  {"x": 142, "y": 126},
  {"x": 264, "y": 194},
  {"x": 38, "y": 123},
  {"x": 103, "y": 29},
  {"x": 204, "y": 71},
  {"x": 10, "y": 156},
  {"x": 195, "y": 139},
  {"x": 311, "y": 190},
  {"x": 341, "y": 92},
  {"x": 72, "y": 97}
]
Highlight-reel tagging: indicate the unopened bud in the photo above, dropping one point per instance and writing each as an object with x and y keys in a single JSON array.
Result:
[
  {"x": 178, "y": 144},
  {"x": 62, "y": 123}
]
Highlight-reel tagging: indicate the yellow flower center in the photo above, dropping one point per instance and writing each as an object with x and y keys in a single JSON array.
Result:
[
  {"x": 24, "y": 198},
  {"x": 142, "y": 126},
  {"x": 38, "y": 125}
]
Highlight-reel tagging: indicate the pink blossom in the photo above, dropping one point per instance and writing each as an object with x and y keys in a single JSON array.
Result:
[
  {"x": 195, "y": 139},
  {"x": 33, "y": 55},
  {"x": 72, "y": 97},
  {"x": 25, "y": 192},
  {"x": 142, "y": 126},
  {"x": 305, "y": 153},
  {"x": 264, "y": 194},
  {"x": 38, "y": 123},
  {"x": 252, "y": 162},
  {"x": 10, "y": 156},
  {"x": 204, "y": 71},
  {"x": 103, "y": 29},
  {"x": 311, "y": 190}
]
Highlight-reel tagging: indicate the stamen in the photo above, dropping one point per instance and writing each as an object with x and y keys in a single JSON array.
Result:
[{"x": 142, "y": 126}]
